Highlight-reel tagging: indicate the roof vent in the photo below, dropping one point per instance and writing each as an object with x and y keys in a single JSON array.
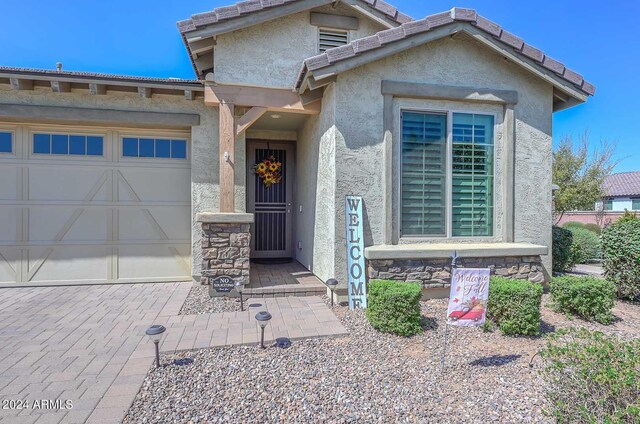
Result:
[
  {"x": 59, "y": 66},
  {"x": 330, "y": 38}
]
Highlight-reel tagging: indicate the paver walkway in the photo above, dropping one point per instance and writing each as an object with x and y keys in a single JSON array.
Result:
[
  {"x": 277, "y": 280},
  {"x": 87, "y": 344}
]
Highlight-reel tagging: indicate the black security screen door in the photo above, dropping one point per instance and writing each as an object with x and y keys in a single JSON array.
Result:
[{"x": 270, "y": 201}]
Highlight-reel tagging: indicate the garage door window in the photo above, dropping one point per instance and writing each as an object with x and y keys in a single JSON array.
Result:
[
  {"x": 154, "y": 148},
  {"x": 6, "y": 142},
  {"x": 68, "y": 144}
]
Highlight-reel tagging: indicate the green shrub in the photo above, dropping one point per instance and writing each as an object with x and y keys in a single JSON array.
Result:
[
  {"x": 621, "y": 251},
  {"x": 592, "y": 378},
  {"x": 394, "y": 307},
  {"x": 561, "y": 249},
  {"x": 587, "y": 297},
  {"x": 627, "y": 216},
  {"x": 593, "y": 227},
  {"x": 514, "y": 305},
  {"x": 585, "y": 246}
]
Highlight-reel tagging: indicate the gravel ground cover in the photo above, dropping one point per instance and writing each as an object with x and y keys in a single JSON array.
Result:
[
  {"x": 365, "y": 377},
  {"x": 198, "y": 302}
]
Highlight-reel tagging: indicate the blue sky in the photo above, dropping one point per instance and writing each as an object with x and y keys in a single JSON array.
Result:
[{"x": 139, "y": 37}]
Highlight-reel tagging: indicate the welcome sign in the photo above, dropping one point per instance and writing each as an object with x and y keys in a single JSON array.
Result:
[
  {"x": 468, "y": 297},
  {"x": 355, "y": 253}
]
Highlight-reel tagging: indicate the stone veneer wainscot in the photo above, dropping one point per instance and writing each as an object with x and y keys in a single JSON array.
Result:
[
  {"x": 226, "y": 240},
  {"x": 431, "y": 264}
]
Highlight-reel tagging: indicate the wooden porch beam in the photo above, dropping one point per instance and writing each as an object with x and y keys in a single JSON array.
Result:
[
  {"x": 227, "y": 156},
  {"x": 274, "y": 99},
  {"x": 97, "y": 89},
  {"x": 144, "y": 92},
  {"x": 311, "y": 96},
  {"x": 249, "y": 118}
]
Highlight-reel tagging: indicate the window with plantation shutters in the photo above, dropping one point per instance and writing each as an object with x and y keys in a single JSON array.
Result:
[
  {"x": 447, "y": 189},
  {"x": 424, "y": 174},
  {"x": 330, "y": 38},
  {"x": 472, "y": 175}
]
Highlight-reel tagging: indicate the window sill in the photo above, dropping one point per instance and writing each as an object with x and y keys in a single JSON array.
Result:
[{"x": 445, "y": 250}]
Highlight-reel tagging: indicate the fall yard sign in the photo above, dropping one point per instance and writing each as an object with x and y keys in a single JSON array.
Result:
[{"x": 468, "y": 298}]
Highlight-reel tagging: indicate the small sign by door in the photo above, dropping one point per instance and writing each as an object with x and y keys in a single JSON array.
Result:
[
  {"x": 223, "y": 284},
  {"x": 355, "y": 253}
]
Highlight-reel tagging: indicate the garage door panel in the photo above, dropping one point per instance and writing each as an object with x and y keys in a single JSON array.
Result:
[
  {"x": 155, "y": 223},
  {"x": 69, "y": 263},
  {"x": 9, "y": 263},
  {"x": 56, "y": 224},
  {"x": 74, "y": 218},
  {"x": 9, "y": 177},
  {"x": 157, "y": 262},
  {"x": 9, "y": 223},
  {"x": 68, "y": 183},
  {"x": 155, "y": 185}
]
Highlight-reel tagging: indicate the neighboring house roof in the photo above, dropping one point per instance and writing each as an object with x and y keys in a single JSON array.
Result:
[
  {"x": 198, "y": 31},
  {"x": 244, "y": 8},
  {"x": 373, "y": 48},
  {"x": 64, "y": 81},
  {"x": 622, "y": 184},
  {"x": 6, "y": 71}
]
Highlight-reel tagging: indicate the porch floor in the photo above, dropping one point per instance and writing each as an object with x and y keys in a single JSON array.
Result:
[{"x": 280, "y": 280}]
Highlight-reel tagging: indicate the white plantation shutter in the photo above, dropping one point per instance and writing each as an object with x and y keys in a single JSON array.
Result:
[
  {"x": 472, "y": 172},
  {"x": 330, "y": 38},
  {"x": 424, "y": 174}
]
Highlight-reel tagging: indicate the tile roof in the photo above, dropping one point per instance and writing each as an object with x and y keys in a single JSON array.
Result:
[
  {"x": 250, "y": 6},
  {"x": 6, "y": 70},
  {"x": 622, "y": 184},
  {"x": 409, "y": 29}
]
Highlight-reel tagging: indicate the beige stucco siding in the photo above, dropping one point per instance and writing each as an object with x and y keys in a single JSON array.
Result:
[
  {"x": 204, "y": 148},
  {"x": 455, "y": 62},
  {"x": 272, "y": 53},
  {"x": 316, "y": 185}
]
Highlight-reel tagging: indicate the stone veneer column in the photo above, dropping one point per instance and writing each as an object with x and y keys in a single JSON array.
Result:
[{"x": 225, "y": 245}]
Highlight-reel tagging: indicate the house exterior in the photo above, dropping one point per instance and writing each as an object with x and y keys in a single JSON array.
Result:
[
  {"x": 443, "y": 125},
  {"x": 621, "y": 193}
]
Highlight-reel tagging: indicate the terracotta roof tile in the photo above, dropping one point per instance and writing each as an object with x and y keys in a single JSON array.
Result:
[
  {"x": 553, "y": 65},
  {"x": 440, "y": 19},
  {"x": 512, "y": 40},
  {"x": 488, "y": 26},
  {"x": 622, "y": 184},
  {"x": 250, "y": 6},
  {"x": 363, "y": 44},
  {"x": 533, "y": 53}
]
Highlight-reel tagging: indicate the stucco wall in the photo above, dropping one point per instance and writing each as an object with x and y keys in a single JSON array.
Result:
[
  {"x": 457, "y": 62},
  {"x": 204, "y": 140},
  {"x": 316, "y": 176},
  {"x": 272, "y": 53}
]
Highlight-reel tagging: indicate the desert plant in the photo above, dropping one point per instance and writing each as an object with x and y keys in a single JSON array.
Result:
[
  {"x": 589, "y": 298},
  {"x": 514, "y": 305},
  {"x": 627, "y": 216},
  {"x": 592, "y": 378},
  {"x": 561, "y": 249},
  {"x": 394, "y": 307},
  {"x": 621, "y": 251},
  {"x": 585, "y": 246}
]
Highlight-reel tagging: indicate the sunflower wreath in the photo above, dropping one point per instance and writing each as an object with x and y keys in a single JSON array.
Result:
[{"x": 269, "y": 170}]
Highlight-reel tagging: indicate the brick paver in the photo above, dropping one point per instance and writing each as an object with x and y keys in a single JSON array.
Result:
[
  {"x": 290, "y": 279},
  {"x": 87, "y": 344}
]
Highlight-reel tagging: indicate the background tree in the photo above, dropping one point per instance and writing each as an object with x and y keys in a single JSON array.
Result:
[{"x": 580, "y": 173}]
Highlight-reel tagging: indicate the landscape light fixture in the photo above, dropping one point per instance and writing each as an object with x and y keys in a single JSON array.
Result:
[
  {"x": 263, "y": 318},
  {"x": 240, "y": 289},
  {"x": 155, "y": 333},
  {"x": 332, "y": 283}
]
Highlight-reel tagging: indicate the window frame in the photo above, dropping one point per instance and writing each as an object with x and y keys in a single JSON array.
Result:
[
  {"x": 13, "y": 142},
  {"x": 122, "y": 136},
  {"x": 68, "y": 156},
  {"x": 449, "y": 178}
]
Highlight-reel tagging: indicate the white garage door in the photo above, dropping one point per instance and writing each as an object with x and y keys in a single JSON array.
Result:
[{"x": 94, "y": 205}]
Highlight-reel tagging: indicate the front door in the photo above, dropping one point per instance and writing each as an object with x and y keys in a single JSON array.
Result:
[{"x": 270, "y": 173}]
